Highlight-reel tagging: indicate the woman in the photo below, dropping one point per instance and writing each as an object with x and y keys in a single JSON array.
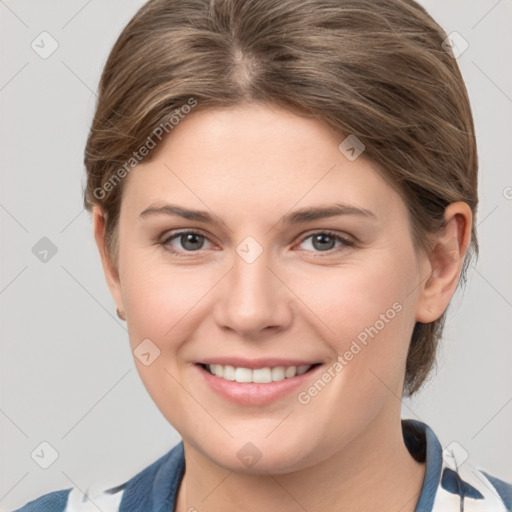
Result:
[{"x": 231, "y": 140}]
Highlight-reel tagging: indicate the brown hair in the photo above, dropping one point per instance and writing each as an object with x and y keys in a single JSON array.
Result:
[{"x": 375, "y": 69}]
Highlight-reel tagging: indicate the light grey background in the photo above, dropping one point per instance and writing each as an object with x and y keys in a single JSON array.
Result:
[{"x": 67, "y": 374}]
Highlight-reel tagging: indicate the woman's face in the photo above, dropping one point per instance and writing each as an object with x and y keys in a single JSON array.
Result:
[{"x": 265, "y": 287}]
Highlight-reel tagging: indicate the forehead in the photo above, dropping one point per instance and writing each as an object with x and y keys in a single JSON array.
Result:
[{"x": 254, "y": 158}]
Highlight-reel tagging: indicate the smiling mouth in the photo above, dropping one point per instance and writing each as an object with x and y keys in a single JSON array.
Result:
[{"x": 264, "y": 375}]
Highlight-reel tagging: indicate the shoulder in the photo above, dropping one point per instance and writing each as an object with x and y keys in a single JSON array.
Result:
[
  {"x": 52, "y": 502},
  {"x": 463, "y": 482},
  {"x": 475, "y": 488},
  {"x": 503, "y": 488},
  {"x": 96, "y": 497},
  {"x": 452, "y": 482},
  {"x": 158, "y": 481}
]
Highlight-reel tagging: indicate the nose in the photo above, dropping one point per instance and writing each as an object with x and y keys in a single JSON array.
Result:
[{"x": 253, "y": 298}]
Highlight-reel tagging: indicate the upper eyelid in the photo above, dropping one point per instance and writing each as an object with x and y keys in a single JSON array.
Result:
[{"x": 168, "y": 235}]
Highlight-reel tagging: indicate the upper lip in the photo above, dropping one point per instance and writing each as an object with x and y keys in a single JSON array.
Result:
[{"x": 239, "y": 362}]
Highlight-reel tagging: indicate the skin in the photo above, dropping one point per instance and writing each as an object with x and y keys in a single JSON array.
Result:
[{"x": 250, "y": 165}]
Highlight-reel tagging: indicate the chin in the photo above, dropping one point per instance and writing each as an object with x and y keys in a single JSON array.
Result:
[{"x": 260, "y": 457}]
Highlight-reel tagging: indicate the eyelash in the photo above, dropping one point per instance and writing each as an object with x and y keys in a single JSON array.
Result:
[{"x": 345, "y": 241}]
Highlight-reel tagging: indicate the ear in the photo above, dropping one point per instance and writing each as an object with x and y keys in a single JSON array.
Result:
[
  {"x": 111, "y": 272},
  {"x": 445, "y": 263}
]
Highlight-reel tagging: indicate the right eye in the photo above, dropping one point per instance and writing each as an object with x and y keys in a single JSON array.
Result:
[{"x": 190, "y": 242}]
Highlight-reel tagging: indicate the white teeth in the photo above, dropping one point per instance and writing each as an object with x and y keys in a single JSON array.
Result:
[
  {"x": 262, "y": 375},
  {"x": 243, "y": 375},
  {"x": 278, "y": 373},
  {"x": 259, "y": 375},
  {"x": 291, "y": 371},
  {"x": 217, "y": 369},
  {"x": 229, "y": 372}
]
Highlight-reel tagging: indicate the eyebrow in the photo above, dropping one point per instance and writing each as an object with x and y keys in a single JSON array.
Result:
[{"x": 296, "y": 217}]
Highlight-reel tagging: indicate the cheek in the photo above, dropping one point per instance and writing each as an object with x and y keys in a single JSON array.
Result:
[
  {"x": 367, "y": 320},
  {"x": 165, "y": 310},
  {"x": 161, "y": 301},
  {"x": 366, "y": 314},
  {"x": 161, "y": 297},
  {"x": 348, "y": 300}
]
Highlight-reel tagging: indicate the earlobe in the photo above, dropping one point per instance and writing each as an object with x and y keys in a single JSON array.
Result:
[
  {"x": 109, "y": 269},
  {"x": 445, "y": 262}
]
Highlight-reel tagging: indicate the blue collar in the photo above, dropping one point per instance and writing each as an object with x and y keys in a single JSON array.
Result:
[{"x": 424, "y": 446}]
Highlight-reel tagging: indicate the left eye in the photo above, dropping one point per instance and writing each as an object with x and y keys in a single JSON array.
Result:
[{"x": 323, "y": 241}]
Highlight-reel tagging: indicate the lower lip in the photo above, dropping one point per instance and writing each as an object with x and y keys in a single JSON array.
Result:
[{"x": 250, "y": 393}]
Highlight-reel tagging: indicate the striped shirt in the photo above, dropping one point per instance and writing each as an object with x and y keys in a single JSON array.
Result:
[{"x": 451, "y": 483}]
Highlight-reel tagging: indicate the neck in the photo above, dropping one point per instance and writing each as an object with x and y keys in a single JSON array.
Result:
[{"x": 375, "y": 468}]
